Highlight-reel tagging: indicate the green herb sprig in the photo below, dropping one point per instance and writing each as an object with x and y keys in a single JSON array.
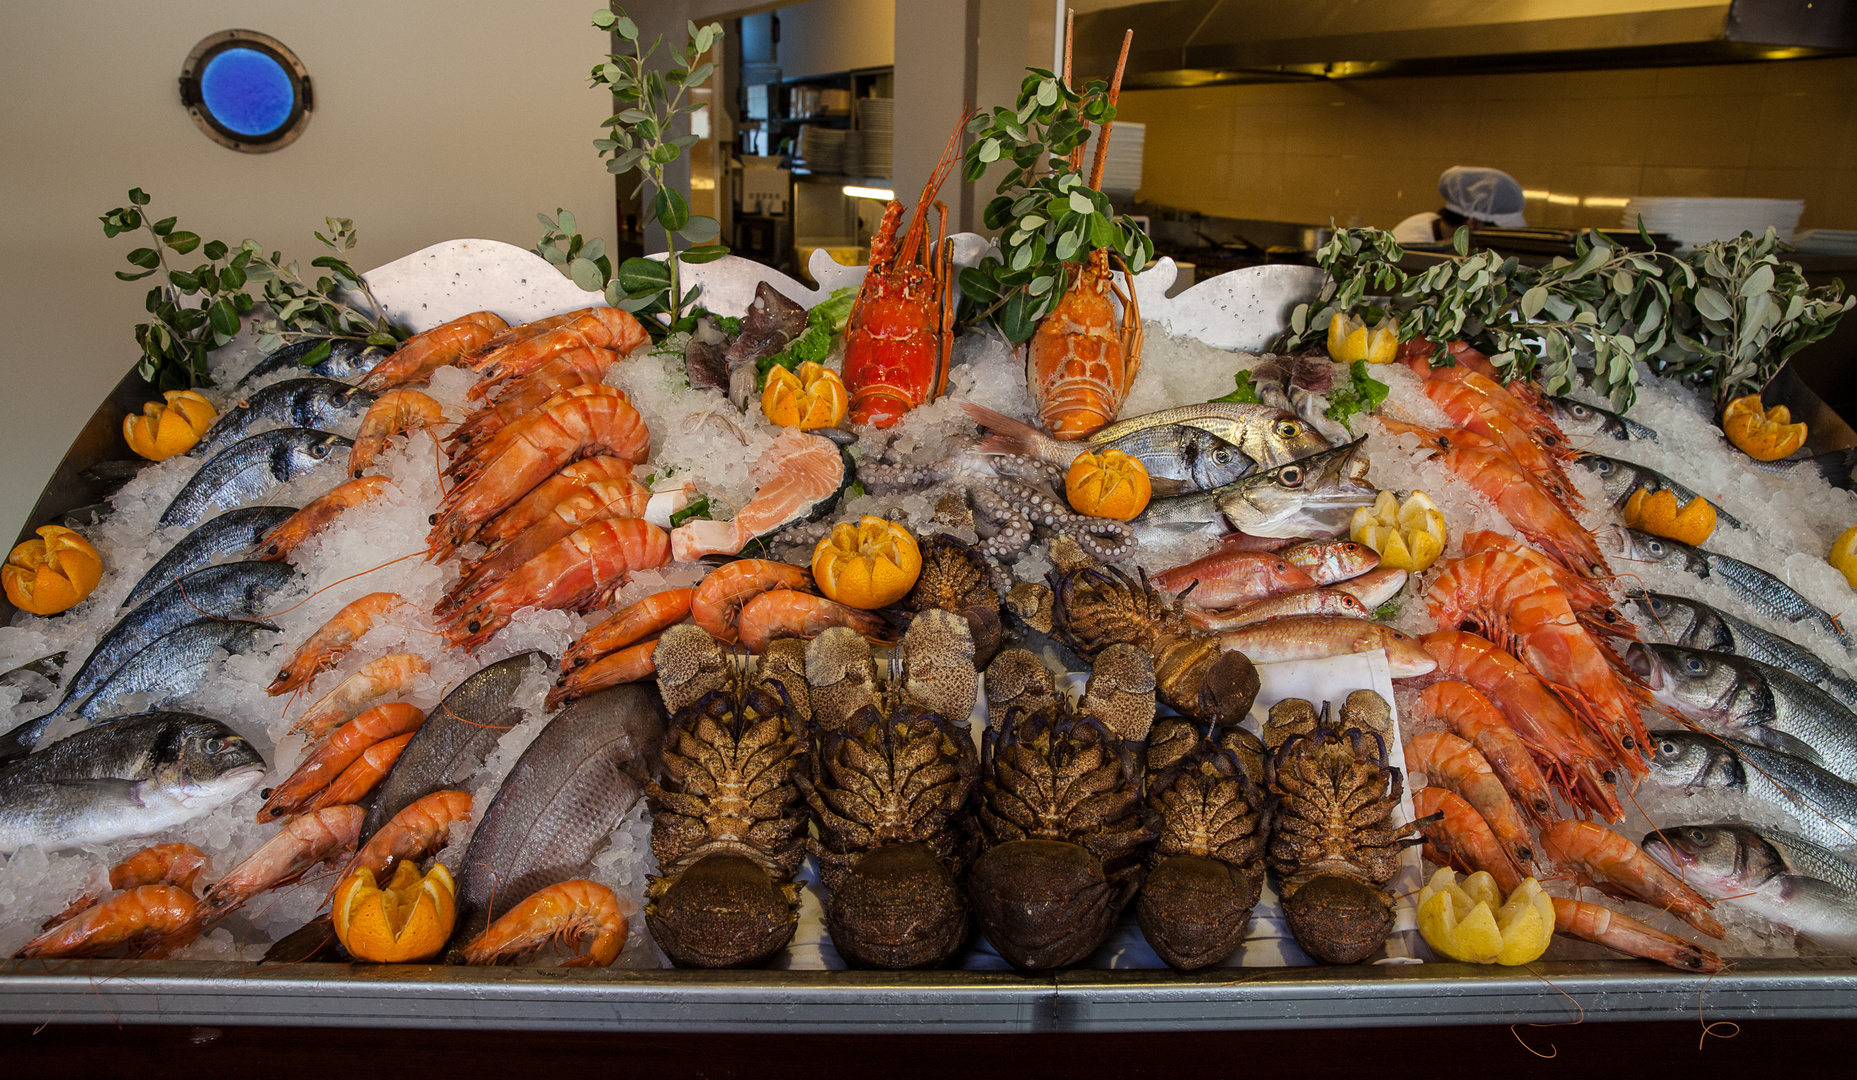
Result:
[
  {"x": 1245, "y": 394},
  {"x": 1363, "y": 393}
]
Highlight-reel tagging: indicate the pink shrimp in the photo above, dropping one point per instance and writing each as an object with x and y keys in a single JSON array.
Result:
[
  {"x": 789, "y": 613},
  {"x": 599, "y": 501},
  {"x": 1450, "y": 762},
  {"x": 576, "y": 573},
  {"x": 519, "y": 397},
  {"x": 1586, "y": 596},
  {"x": 326, "y": 835},
  {"x": 1461, "y": 838},
  {"x": 326, "y": 647},
  {"x": 1603, "y": 926},
  {"x": 415, "y": 832},
  {"x": 470, "y": 458},
  {"x": 146, "y": 921},
  {"x": 592, "y": 328},
  {"x": 717, "y": 603},
  {"x": 393, "y": 412},
  {"x": 571, "y": 911},
  {"x": 363, "y": 775},
  {"x": 1602, "y": 859},
  {"x": 624, "y": 665},
  {"x": 423, "y": 353},
  {"x": 1473, "y": 717},
  {"x": 338, "y": 753},
  {"x": 629, "y": 624},
  {"x": 1473, "y": 410},
  {"x": 537, "y": 504},
  {"x": 390, "y": 674},
  {"x": 312, "y": 519}
]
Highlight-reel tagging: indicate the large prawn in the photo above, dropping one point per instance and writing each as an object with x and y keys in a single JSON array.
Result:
[
  {"x": 1587, "y": 597},
  {"x": 423, "y": 353},
  {"x": 1598, "y": 857},
  {"x": 1456, "y": 835},
  {"x": 622, "y": 498},
  {"x": 326, "y": 647},
  {"x": 790, "y": 613},
  {"x": 393, "y": 412},
  {"x": 324, "y": 835},
  {"x": 589, "y": 328},
  {"x": 576, "y": 367},
  {"x": 537, "y": 504},
  {"x": 721, "y": 595},
  {"x": 467, "y": 461},
  {"x": 146, "y": 921},
  {"x": 900, "y": 335},
  {"x": 323, "y": 766},
  {"x": 280, "y": 542},
  {"x": 570, "y": 912},
  {"x": 576, "y": 573},
  {"x": 1475, "y": 719}
]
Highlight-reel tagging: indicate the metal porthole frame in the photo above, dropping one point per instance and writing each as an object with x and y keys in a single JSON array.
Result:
[{"x": 195, "y": 102}]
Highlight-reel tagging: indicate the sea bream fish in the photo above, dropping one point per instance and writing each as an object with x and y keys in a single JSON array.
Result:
[
  {"x": 1759, "y": 783},
  {"x": 1314, "y": 496},
  {"x": 134, "y": 776},
  {"x": 1786, "y": 879},
  {"x": 235, "y": 532},
  {"x": 173, "y": 665},
  {"x": 239, "y": 590},
  {"x": 309, "y": 403},
  {"x": 349, "y": 358},
  {"x": 1762, "y": 591},
  {"x": 250, "y": 469},
  {"x": 1738, "y": 698},
  {"x": 1621, "y": 478},
  {"x": 1677, "y": 620},
  {"x": 1580, "y": 418}
]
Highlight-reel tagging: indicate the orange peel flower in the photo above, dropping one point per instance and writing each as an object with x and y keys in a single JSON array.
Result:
[
  {"x": 1657, "y": 513},
  {"x": 53, "y": 573},
  {"x": 869, "y": 565},
  {"x": 171, "y": 427},
  {"x": 405, "y": 922},
  {"x": 812, "y": 397},
  {"x": 1767, "y": 435},
  {"x": 1110, "y": 484}
]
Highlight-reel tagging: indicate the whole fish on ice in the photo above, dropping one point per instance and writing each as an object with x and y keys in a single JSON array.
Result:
[
  {"x": 1580, "y": 418},
  {"x": 250, "y": 469},
  {"x": 235, "y": 532},
  {"x": 1179, "y": 458},
  {"x": 173, "y": 665},
  {"x": 1788, "y": 880},
  {"x": 1765, "y": 593},
  {"x": 310, "y": 403},
  {"x": 349, "y": 358},
  {"x": 1312, "y": 497},
  {"x": 1677, "y": 620},
  {"x": 1760, "y": 782},
  {"x": 1621, "y": 478}
]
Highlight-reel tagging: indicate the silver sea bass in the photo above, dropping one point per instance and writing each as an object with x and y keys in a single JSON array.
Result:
[
  {"x": 1787, "y": 879},
  {"x": 1761, "y": 783},
  {"x": 1678, "y": 620}
]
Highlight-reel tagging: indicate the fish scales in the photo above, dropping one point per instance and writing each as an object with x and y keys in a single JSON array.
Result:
[
  {"x": 234, "y": 532},
  {"x": 310, "y": 403},
  {"x": 1309, "y": 497},
  {"x": 561, "y": 801},
  {"x": 1765, "y": 779},
  {"x": 1760, "y": 590},
  {"x": 1584, "y": 419},
  {"x": 174, "y": 664},
  {"x": 348, "y": 358},
  {"x": 1678, "y": 620},
  {"x": 1786, "y": 879},
  {"x": 454, "y": 740},
  {"x": 250, "y": 469},
  {"x": 1620, "y": 478}
]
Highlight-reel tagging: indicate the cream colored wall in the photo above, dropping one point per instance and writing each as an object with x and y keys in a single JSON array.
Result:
[
  {"x": 433, "y": 120},
  {"x": 1368, "y": 152},
  {"x": 828, "y": 36}
]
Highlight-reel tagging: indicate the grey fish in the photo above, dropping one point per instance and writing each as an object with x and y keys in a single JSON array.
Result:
[
  {"x": 134, "y": 776},
  {"x": 250, "y": 469},
  {"x": 1764, "y": 780},
  {"x": 1739, "y": 698},
  {"x": 770, "y": 324},
  {"x": 174, "y": 664},
  {"x": 454, "y": 740},
  {"x": 1760, "y": 590},
  {"x": 1679, "y": 620},
  {"x": 1178, "y": 458},
  {"x": 705, "y": 358},
  {"x": 234, "y": 532},
  {"x": 1837, "y": 468},
  {"x": 348, "y": 358},
  {"x": 561, "y": 801},
  {"x": 309, "y": 403},
  {"x": 231, "y": 591},
  {"x": 1787, "y": 879},
  {"x": 1584, "y": 419},
  {"x": 35, "y": 679},
  {"x": 1268, "y": 436},
  {"x": 1621, "y": 478},
  {"x": 1312, "y": 497}
]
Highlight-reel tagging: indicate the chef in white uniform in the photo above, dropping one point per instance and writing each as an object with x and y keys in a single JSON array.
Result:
[{"x": 1485, "y": 198}]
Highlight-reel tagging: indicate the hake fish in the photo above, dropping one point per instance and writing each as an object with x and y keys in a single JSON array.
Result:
[
  {"x": 309, "y": 403},
  {"x": 1621, "y": 478},
  {"x": 1761, "y": 782},
  {"x": 234, "y": 532},
  {"x": 1584, "y": 419},
  {"x": 562, "y": 800},
  {"x": 251, "y": 468},
  {"x": 455, "y": 738},
  {"x": 1738, "y": 698},
  {"x": 1179, "y": 458},
  {"x": 134, "y": 776},
  {"x": 1678, "y": 620},
  {"x": 229, "y": 591},
  {"x": 173, "y": 665},
  {"x": 348, "y": 358},
  {"x": 1762, "y": 591},
  {"x": 1787, "y": 879},
  {"x": 1310, "y": 497}
]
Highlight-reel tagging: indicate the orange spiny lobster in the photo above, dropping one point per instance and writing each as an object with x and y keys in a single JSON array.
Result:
[
  {"x": 1081, "y": 362},
  {"x": 900, "y": 335}
]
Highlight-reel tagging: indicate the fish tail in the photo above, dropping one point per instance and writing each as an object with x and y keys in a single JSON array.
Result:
[{"x": 1009, "y": 436}]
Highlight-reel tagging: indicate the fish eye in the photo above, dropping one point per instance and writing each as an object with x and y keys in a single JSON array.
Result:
[
  {"x": 1222, "y": 457},
  {"x": 1581, "y": 412},
  {"x": 214, "y": 746},
  {"x": 319, "y": 450},
  {"x": 1660, "y": 607},
  {"x": 1288, "y": 429},
  {"x": 1605, "y": 467},
  {"x": 1655, "y": 547},
  {"x": 1698, "y": 835},
  {"x": 1291, "y": 476},
  {"x": 1695, "y": 664},
  {"x": 1665, "y": 746}
]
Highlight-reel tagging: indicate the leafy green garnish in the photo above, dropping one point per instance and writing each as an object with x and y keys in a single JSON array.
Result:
[
  {"x": 1364, "y": 393},
  {"x": 856, "y": 490},
  {"x": 697, "y": 509},
  {"x": 1246, "y": 393},
  {"x": 826, "y": 319},
  {"x": 1388, "y": 610}
]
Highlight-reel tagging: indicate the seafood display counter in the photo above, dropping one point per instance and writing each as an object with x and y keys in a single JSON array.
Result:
[{"x": 1241, "y": 311}]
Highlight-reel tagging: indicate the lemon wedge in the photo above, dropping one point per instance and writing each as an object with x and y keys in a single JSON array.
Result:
[{"x": 1469, "y": 921}]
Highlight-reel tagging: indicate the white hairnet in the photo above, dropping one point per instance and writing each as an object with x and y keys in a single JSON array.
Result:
[{"x": 1485, "y": 194}]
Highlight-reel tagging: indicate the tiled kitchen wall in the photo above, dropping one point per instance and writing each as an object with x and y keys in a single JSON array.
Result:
[{"x": 1369, "y": 151}]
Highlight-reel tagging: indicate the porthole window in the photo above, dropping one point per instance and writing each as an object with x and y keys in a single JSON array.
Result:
[{"x": 247, "y": 91}]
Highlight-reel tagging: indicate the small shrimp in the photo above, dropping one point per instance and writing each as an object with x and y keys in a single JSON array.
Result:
[
  {"x": 1473, "y": 717},
  {"x": 423, "y": 353},
  {"x": 146, "y": 921},
  {"x": 1317, "y": 601},
  {"x": 319, "y": 769},
  {"x": 572, "y": 911},
  {"x": 363, "y": 776},
  {"x": 576, "y": 573},
  {"x": 468, "y": 459},
  {"x": 1598, "y": 857},
  {"x": 162, "y": 864},
  {"x": 1603, "y": 926},
  {"x": 592, "y": 328},
  {"x": 719, "y": 597},
  {"x": 307, "y": 522},
  {"x": 789, "y": 613},
  {"x": 326, "y": 647},
  {"x": 377, "y": 678},
  {"x": 1330, "y": 561},
  {"x": 600, "y": 501},
  {"x": 537, "y": 504},
  {"x": 576, "y": 428},
  {"x": 1451, "y": 763},
  {"x": 1461, "y": 838},
  {"x": 1516, "y": 603},
  {"x": 326, "y": 835},
  {"x": 392, "y": 413},
  {"x": 1560, "y": 745},
  {"x": 415, "y": 832},
  {"x": 578, "y": 367},
  {"x": 629, "y": 624},
  {"x": 629, "y": 664}
]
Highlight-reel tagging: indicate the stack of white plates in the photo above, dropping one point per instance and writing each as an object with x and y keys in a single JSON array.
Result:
[
  {"x": 1827, "y": 242},
  {"x": 1699, "y": 221},
  {"x": 1122, "y": 171},
  {"x": 877, "y": 127},
  {"x": 822, "y": 149}
]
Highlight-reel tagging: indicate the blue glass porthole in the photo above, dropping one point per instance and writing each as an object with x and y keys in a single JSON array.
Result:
[{"x": 247, "y": 91}]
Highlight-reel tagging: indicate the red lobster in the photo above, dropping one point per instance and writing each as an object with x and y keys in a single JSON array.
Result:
[{"x": 901, "y": 332}]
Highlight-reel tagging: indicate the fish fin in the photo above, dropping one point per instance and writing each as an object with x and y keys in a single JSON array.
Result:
[
  {"x": 998, "y": 423},
  {"x": 1163, "y": 486}
]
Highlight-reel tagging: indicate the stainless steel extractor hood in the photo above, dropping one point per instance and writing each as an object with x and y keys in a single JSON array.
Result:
[{"x": 1199, "y": 42}]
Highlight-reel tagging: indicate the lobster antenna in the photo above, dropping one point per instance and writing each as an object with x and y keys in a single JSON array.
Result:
[
  {"x": 1102, "y": 134},
  {"x": 918, "y": 224}
]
